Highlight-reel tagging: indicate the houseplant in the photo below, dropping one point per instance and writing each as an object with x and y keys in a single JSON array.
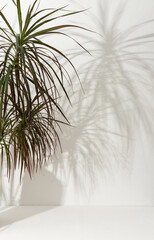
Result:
[{"x": 30, "y": 76}]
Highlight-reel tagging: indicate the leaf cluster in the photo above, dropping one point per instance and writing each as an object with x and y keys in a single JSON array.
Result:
[{"x": 30, "y": 76}]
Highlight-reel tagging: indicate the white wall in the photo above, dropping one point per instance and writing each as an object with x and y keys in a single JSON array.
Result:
[{"x": 107, "y": 157}]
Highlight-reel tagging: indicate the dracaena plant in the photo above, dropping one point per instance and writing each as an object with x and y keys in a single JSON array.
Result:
[{"x": 30, "y": 76}]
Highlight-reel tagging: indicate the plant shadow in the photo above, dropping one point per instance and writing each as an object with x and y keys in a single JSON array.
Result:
[{"x": 116, "y": 111}]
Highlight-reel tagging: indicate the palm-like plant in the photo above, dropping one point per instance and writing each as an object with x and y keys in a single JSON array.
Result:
[{"x": 30, "y": 76}]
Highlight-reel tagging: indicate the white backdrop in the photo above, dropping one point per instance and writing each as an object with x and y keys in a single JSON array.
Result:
[{"x": 108, "y": 154}]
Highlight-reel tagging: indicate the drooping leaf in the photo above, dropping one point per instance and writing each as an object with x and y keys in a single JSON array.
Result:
[{"x": 32, "y": 74}]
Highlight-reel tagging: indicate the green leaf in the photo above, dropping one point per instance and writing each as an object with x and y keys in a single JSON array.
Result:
[
  {"x": 28, "y": 18},
  {"x": 14, "y": 2},
  {"x": 19, "y": 16},
  {"x": 49, "y": 30},
  {"x": 34, "y": 27},
  {"x": 7, "y": 23}
]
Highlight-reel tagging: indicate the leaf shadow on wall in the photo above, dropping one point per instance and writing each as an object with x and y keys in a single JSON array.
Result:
[
  {"x": 117, "y": 105},
  {"x": 118, "y": 85}
]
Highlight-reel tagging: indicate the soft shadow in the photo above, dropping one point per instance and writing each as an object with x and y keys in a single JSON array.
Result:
[
  {"x": 2, "y": 192},
  {"x": 43, "y": 189},
  {"x": 42, "y": 193},
  {"x": 117, "y": 105},
  {"x": 14, "y": 214}
]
